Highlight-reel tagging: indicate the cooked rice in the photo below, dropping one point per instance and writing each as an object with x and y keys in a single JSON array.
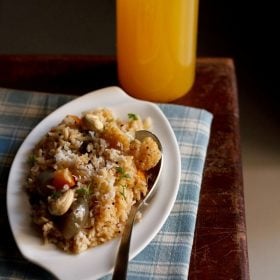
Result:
[{"x": 100, "y": 159}]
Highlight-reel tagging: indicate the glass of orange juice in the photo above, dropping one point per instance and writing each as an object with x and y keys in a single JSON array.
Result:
[{"x": 156, "y": 47}]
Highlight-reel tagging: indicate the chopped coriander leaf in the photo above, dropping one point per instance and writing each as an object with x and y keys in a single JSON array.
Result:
[
  {"x": 55, "y": 194},
  {"x": 132, "y": 117},
  {"x": 32, "y": 159},
  {"x": 84, "y": 191},
  {"x": 123, "y": 191},
  {"x": 122, "y": 172}
]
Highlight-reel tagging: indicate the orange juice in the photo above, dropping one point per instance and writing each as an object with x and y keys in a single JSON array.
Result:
[{"x": 156, "y": 47}]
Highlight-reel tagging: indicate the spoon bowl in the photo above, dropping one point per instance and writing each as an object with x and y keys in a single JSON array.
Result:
[{"x": 120, "y": 270}]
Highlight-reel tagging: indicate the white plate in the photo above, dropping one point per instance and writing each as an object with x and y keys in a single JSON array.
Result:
[{"x": 98, "y": 261}]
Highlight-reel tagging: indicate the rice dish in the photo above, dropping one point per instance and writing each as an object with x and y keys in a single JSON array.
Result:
[{"x": 84, "y": 176}]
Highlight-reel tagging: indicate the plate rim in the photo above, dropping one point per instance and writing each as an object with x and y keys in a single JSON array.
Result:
[{"x": 103, "y": 94}]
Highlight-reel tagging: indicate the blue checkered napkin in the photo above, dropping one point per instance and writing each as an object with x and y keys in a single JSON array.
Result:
[{"x": 168, "y": 255}]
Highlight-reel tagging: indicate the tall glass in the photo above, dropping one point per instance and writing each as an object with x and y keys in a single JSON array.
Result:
[{"x": 156, "y": 47}]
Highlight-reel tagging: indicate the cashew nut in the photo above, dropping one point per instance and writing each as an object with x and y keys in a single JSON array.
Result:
[
  {"x": 93, "y": 122},
  {"x": 60, "y": 205}
]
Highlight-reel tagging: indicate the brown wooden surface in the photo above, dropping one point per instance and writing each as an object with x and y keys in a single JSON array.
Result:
[{"x": 220, "y": 246}]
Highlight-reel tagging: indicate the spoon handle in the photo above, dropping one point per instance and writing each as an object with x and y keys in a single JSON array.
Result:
[{"x": 120, "y": 270}]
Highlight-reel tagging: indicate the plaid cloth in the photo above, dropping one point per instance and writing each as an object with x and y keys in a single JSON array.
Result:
[{"x": 168, "y": 255}]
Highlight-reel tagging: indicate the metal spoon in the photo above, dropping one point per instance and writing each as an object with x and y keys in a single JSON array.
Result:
[{"x": 120, "y": 270}]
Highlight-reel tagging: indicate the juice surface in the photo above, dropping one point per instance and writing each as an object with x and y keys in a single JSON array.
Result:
[{"x": 156, "y": 47}]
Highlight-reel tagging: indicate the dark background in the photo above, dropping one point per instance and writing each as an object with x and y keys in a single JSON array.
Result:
[{"x": 247, "y": 31}]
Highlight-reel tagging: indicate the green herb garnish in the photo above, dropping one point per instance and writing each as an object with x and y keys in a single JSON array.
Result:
[
  {"x": 55, "y": 194},
  {"x": 122, "y": 172},
  {"x": 85, "y": 192},
  {"x": 123, "y": 191},
  {"x": 132, "y": 117},
  {"x": 32, "y": 159}
]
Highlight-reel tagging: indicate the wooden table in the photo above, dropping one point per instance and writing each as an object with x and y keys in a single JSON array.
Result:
[{"x": 220, "y": 245}]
